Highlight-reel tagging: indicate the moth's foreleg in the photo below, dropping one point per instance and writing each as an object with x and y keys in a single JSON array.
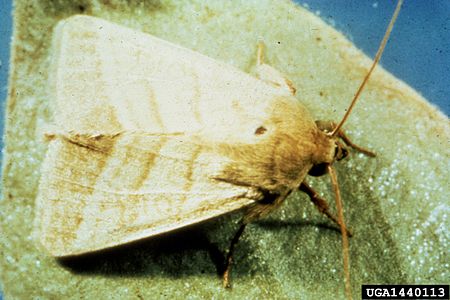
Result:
[
  {"x": 321, "y": 204},
  {"x": 229, "y": 259},
  {"x": 271, "y": 75},
  {"x": 329, "y": 126},
  {"x": 349, "y": 143}
]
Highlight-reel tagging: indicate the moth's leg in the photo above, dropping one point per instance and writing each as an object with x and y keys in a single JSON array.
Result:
[
  {"x": 328, "y": 126},
  {"x": 270, "y": 74},
  {"x": 229, "y": 260},
  {"x": 349, "y": 143},
  {"x": 267, "y": 204},
  {"x": 320, "y": 204}
]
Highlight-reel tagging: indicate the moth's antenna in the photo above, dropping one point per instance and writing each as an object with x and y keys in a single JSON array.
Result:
[
  {"x": 375, "y": 62},
  {"x": 345, "y": 247}
]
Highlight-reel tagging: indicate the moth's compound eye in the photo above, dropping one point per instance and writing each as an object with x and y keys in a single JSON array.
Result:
[
  {"x": 318, "y": 170},
  {"x": 260, "y": 130},
  {"x": 340, "y": 152}
]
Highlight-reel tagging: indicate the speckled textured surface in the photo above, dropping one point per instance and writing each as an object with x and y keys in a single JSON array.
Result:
[{"x": 397, "y": 204}]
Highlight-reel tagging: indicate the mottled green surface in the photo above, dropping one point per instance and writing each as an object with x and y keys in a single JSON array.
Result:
[{"x": 397, "y": 203}]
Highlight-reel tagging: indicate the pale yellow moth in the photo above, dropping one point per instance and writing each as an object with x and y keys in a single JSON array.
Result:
[{"x": 152, "y": 137}]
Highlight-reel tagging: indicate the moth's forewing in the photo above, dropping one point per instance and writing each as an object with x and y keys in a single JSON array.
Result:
[{"x": 139, "y": 121}]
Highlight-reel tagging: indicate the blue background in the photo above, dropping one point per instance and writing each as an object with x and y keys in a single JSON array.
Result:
[
  {"x": 5, "y": 38},
  {"x": 418, "y": 51}
]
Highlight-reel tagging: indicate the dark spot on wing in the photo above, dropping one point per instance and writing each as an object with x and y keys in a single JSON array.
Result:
[{"x": 260, "y": 130}]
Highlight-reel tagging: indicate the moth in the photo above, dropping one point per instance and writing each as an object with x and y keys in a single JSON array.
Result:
[{"x": 150, "y": 137}]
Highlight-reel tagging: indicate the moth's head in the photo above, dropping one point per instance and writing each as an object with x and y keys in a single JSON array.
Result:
[
  {"x": 338, "y": 144},
  {"x": 341, "y": 151}
]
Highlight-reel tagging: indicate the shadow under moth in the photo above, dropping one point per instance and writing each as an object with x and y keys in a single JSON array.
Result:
[{"x": 151, "y": 137}]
